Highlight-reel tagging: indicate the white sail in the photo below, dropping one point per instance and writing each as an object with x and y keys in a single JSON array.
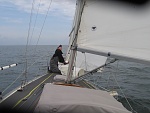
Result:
[
  {"x": 83, "y": 61},
  {"x": 86, "y": 61},
  {"x": 115, "y": 29},
  {"x": 89, "y": 61}
]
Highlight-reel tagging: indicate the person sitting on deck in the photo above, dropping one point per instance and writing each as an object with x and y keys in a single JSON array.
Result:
[{"x": 57, "y": 57}]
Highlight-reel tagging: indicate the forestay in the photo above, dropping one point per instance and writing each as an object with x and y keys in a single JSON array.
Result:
[
  {"x": 115, "y": 29},
  {"x": 55, "y": 99}
]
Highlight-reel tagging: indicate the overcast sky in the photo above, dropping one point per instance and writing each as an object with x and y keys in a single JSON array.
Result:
[{"x": 15, "y": 18}]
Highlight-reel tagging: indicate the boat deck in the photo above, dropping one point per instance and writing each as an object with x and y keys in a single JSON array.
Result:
[{"x": 25, "y": 101}]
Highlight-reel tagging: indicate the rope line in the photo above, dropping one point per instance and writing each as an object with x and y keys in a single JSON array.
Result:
[{"x": 122, "y": 90}]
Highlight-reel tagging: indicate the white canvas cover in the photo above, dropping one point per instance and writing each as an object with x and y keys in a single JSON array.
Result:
[
  {"x": 67, "y": 99},
  {"x": 111, "y": 26}
]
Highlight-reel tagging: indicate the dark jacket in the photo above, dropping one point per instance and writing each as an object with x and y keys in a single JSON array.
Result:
[{"x": 58, "y": 53}]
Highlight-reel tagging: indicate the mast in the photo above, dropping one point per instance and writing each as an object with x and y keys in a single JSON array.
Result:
[{"x": 78, "y": 14}]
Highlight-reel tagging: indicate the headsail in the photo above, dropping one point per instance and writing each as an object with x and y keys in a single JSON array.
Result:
[
  {"x": 81, "y": 60},
  {"x": 114, "y": 29}
]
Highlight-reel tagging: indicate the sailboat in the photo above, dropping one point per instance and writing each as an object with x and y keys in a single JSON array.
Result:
[{"x": 115, "y": 30}]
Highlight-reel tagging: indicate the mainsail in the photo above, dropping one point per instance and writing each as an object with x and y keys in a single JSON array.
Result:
[
  {"x": 86, "y": 61},
  {"x": 114, "y": 29}
]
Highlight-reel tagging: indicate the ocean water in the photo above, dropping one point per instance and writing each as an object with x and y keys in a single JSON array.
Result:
[
  {"x": 37, "y": 61},
  {"x": 132, "y": 78}
]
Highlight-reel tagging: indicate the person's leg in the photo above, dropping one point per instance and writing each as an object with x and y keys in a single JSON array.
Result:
[{"x": 54, "y": 66}]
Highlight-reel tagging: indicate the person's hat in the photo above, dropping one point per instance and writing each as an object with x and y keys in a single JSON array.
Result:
[{"x": 60, "y": 46}]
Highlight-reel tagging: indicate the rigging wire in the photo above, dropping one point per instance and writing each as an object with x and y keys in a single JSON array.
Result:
[
  {"x": 43, "y": 24},
  {"x": 75, "y": 65},
  {"x": 114, "y": 76},
  {"x": 85, "y": 62},
  {"x": 35, "y": 20},
  {"x": 26, "y": 64},
  {"x": 27, "y": 67},
  {"x": 22, "y": 74},
  {"x": 31, "y": 14},
  {"x": 110, "y": 79},
  {"x": 32, "y": 33}
]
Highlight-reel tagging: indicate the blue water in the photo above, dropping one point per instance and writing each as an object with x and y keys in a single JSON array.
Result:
[
  {"x": 133, "y": 78},
  {"x": 38, "y": 59},
  {"x": 134, "y": 81}
]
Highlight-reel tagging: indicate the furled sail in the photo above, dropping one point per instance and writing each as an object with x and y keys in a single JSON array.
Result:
[{"x": 115, "y": 29}]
